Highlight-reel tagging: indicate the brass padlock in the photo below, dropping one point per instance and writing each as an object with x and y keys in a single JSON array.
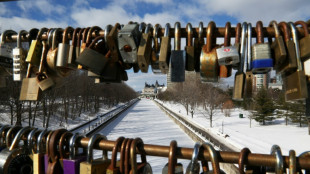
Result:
[
  {"x": 295, "y": 84},
  {"x": 30, "y": 90},
  {"x": 240, "y": 76},
  {"x": 35, "y": 50},
  {"x": 113, "y": 43},
  {"x": 95, "y": 165},
  {"x": 209, "y": 69},
  {"x": 165, "y": 50},
  {"x": 63, "y": 49},
  {"x": 38, "y": 156},
  {"x": 198, "y": 43},
  {"x": 156, "y": 51},
  {"x": 190, "y": 49},
  {"x": 44, "y": 82},
  {"x": 237, "y": 44},
  {"x": 145, "y": 49},
  {"x": 279, "y": 50}
]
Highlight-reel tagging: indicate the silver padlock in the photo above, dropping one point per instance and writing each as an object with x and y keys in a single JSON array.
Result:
[
  {"x": 279, "y": 167},
  {"x": 19, "y": 56},
  {"x": 194, "y": 166},
  {"x": 6, "y": 54},
  {"x": 128, "y": 42},
  {"x": 63, "y": 49}
]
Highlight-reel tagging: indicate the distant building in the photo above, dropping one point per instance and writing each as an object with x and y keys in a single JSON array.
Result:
[
  {"x": 151, "y": 90},
  {"x": 276, "y": 82},
  {"x": 260, "y": 81}
]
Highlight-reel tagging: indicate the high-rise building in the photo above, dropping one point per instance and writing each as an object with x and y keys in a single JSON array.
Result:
[{"x": 260, "y": 81}]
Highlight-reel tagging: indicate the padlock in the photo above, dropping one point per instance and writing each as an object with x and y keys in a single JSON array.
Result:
[
  {"x": 78, "y": 44},
  {"x": 46, "y": 155},
  {"x": 114, "y": 166},
  {"x": 54, "y": 165},
  {"x": 128, "y": 40},
  {"x": 290, "y": 63},
  {"x": 84, "y": 39},
  {"x": 229, "y": 53},
  {"x": 165, "y": 51},
  {"x": 16, "y": 159},
  {"x": 63, "y": 148},
  {"x": 242, "y": 158},
  {"x": 278, "y": 47},
  {"x": 304, "y": 42},
  {"x": 144, "y": 50},
  {"x": 44, "y": 82},
  {"x": 63, "y": 49},
  {"x": 10, "y": 134},
  {"x": 156, "y": 50},
  {"x": 190, "y": 49},
  {"x": 173, "y": 167},
  {"x": 93, "y": 60},
  {"x": 72, "y": 165},
  {"x": 143, "y": 167},
  {"x": 295, "y": 84},
  {"x": 122, "y": 155},
  {"x": 177, "y": 58},
  {"x": 279, "y": 167},
  {"x": 73, "y": 49},
  {"x": 6, "y": 55},
  {"x": 292, "y": 161},
  {"x": 52, "y": 52},
  {"x": 35, "y": 50},
  {"x": 30, "y": 143},
  {"x": 198, "y": 43},
  {"x": 38, "y": 156},
  {"x": 240, "y": 76},
  {"x": 248, "y": 85},
  {"x": 194, "y": 166},
  {"x": 214, "y": 158},
  {"x": 237, "y": 44},
  {"x": 3, "y": 131},
  {"x": 261, "y": 53},
  {"x": 95, "y": 165},
  {"x": 19, "y": 56},
  {"x": 113, "y": 43},
  {"x": 209, "y": 69},
  {"x": 30, "y": 90}
]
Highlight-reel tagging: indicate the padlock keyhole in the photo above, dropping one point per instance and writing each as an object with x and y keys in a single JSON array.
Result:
[{"x": 127, "y": 48}]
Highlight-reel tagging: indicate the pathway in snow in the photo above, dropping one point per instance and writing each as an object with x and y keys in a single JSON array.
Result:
[{"x": 149, "y": 122}]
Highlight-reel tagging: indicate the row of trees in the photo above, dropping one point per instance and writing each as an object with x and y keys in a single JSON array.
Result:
[{"x": 71, "y": 96}]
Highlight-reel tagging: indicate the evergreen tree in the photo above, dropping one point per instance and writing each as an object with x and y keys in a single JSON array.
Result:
[
  {"x": 263, "y": 107},
  {"x": 298, "y": 116}
]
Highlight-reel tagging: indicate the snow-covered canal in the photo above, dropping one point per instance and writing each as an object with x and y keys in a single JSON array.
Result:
[{"x": 147, "y": 121}]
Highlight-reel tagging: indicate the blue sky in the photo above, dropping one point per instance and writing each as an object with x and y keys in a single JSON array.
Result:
[{"x": 79, "y": 13}]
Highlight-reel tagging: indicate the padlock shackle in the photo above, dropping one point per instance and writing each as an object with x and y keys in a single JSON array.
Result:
[
  {"x": 242, "y": 157},
  {"x": 304, "y": 26},
  {"x": 79, "y": 38},
  {"x": 177, "y": 36},
  {"x": 122, "y": 155},
  {"x": 136, "y": 143},
  {"x": 33, "y": 32},
  {"x": 276, "y": 150},
  {"x": 238, "y": 33},
  {"x": 107, "y": 30},
  {"x": 30, "y": 138},
  {"x": 19, "y": 37},
  {"x": 93, "y": 43},
  {"x": 189, "y": 30},
  {"x": 142, "y": 27},
  {"x": 90, "y": 146},
  {"x": 90, "y": 32},
  {"x": 155, "y": 37},
  {"x": 172, "y": 158},
  {"x": 210, "y": 36},
  {"x": 52, "y": 143},
  {"x": 213, "y": 156},
  {"x": 292, "y": 161},
  {"x": 39, "y": 140},
  {"x": 41, "y": 32},
  {"x": 243, "y": 46},
  {"x": 200, "y": 31},
  {"x": 194, "y": 160},
  {"x": 6, "y": 33},
  {"x": 50, "y": 37},
  {"x": 72, "y": 149},
  {"x": 259, "y": 30},
  {"x": 9, "y": 135},
  {"x": 55, "y": 41},
  {"x": 117, "y": 146},
  {"x": 43, "y": 56},
  {"x": 74, "y": 36},
  {"x": 285, "y": 30},
  {"x": 274, "y": 24},
  {"x": 227, "y": 35},
  {"x": 148, "y": 28},
  {"x": 65, "y": 137},
  {"x": 249, "y": 48},
  {"x": 18, "y": 136},
  {"x": 68, "y": 30},
  {"x": 167, "y": 30},
  {"x": 295, "y": 39},
  {"x": 127, "y": 156},
  {"x": 2, "y": 133},
  {"x": 85, "y": 32}
]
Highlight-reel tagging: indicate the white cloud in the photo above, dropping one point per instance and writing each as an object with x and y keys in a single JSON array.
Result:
[
  {"x": 155, "y": 1},
  {"x": 3, "y": 9},
  {"x": 44, "y": 6},
  {"x": 137, "y": 80}
]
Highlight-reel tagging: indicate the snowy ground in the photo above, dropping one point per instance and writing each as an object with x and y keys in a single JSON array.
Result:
[
  {"x": 259, "y": 138},
  {"x": 149, "y": 122}
]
